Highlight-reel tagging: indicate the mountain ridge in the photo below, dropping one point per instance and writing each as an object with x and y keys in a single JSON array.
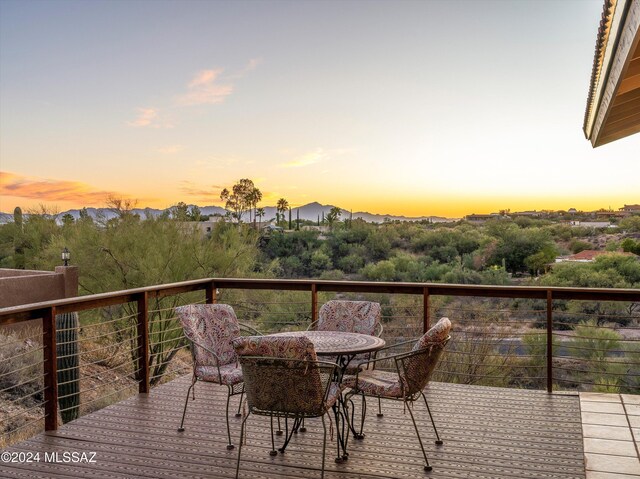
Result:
[{"x": 311, "y": 212}]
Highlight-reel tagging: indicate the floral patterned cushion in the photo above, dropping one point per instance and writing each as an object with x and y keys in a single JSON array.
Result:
[
  {"x": 349, "y": 316},
  {"x": 375, "y": 383},
  {"x": 292, "y": 387},
  {"x": 438, "y": 333},
  {"x": 213, "y": 326},
  {"x": 229, "y": 375},
  {"x": 357, "y": 363},
  {"x": 287, "y": 347}
]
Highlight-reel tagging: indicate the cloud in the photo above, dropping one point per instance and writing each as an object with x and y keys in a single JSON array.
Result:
[
  {"x": 145, "y": 117},
  {"x": 20, "y": 186},
  {"x": 171, "y": 149},
  {"x": 149, "y": 117},
  {"x": 252, "y": 64},
  {"x": 307, "y": 159},
  {"x": 205, "y": 88},
  {"x": 200, "y": 193}
]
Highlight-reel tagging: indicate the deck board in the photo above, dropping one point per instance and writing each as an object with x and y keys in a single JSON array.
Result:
[{"x": 490, "y": 433}]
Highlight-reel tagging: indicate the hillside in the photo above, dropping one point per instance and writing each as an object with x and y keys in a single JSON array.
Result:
[{"x": 310, "y": 212}]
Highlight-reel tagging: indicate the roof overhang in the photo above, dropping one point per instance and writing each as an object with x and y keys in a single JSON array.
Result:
[{"x": 613, "y": 106}]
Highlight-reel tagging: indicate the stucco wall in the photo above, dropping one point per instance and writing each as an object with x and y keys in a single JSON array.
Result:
[{"x": 24, "y": 286}]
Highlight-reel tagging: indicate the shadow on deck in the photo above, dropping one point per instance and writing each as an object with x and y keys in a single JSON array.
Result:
[{"x": 488, "y": 433}]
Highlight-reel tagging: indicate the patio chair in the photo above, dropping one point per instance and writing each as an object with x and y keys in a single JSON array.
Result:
[
  {"x": 210, "y": 328},
  {"x": 283, "y": 378},
  {"x": 412, "y": 373},
  {"x": 352, "y": 317},
  {"x": 349, "y": 316}
]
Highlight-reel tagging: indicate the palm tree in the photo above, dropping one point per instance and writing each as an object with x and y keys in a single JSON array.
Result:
[
  {"x": 260, "y": 214},
  {"x": 253, "y": 198},
  {"x": 281, "y": 207}
]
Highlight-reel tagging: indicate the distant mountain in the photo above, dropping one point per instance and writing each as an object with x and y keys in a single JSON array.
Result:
[
  {"x": 212, "y": 210},
  {"x": 312, "y": 212}
]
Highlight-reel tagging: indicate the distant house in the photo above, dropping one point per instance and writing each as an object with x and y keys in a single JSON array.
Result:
[
  {"x": 321, "y": 229},
  {"x": 592, "y": 224},
  {"x": 587, "y": 256},
  {"x": 479, "y": 219},
  {"x": 631, "y": 209},
  {"x": 205, "y": 227},
  {"x": 610, "y": 214},
  {"x": 530, "y": 214},
  {"x": 272, "y": 228}
]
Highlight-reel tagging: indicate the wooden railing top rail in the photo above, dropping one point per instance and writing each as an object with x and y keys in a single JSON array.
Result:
[{"x": 26, "y": 312}]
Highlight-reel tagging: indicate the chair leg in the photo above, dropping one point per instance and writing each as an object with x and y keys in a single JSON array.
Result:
[
  {"x": 379, "y": 408},
  {"x": 186, "y": 401},
  {"x": 339, "y": 458},
  {"x": 438, "y": 441},
  {"x": 238, "y": 414},
  {"x": 279, "y": 431},
  {"x": 346, "y": 426},
  {"x": 288, "y": 435},
  {"x": 273, "y": 451},
  {"x": 241, "y": 441},
  {"x": 413, "y": 419},
  {"x": 363, "y": 415},
  {"x": 324, "y": 446},
  {"x": 348, "y": 399},
  {"x": 230, "y": 445}
]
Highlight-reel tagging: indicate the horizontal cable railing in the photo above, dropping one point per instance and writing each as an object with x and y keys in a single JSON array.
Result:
[
  {"x": 21, "y": 383},
  {"x": 120, "y": 342}
]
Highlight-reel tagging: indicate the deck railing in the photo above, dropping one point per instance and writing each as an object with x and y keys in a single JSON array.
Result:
[{"x": 153, "y": 347}]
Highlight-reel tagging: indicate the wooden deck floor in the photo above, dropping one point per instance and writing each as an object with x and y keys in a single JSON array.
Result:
[{"x": 488, "y": 433}]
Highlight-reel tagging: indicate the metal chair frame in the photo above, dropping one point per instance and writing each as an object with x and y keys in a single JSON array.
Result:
[
  {"x": 408, "y": 396},
  {"x": 327, "y": 371},
  {"x": 232, "y": 390}
]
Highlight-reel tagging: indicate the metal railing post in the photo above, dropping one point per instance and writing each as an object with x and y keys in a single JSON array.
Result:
[
  {"x": 425, "y": 305},
  {"x": 549, "y": 341},
  {"x": 211, "y": 293},
  {"x": 143, "y": 342},
  {"x": 50, "y": 370},
  {"x": 314, "y": 303}
]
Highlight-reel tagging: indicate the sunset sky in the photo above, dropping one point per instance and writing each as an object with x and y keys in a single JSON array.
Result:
[{"x": 391, "y": 107}]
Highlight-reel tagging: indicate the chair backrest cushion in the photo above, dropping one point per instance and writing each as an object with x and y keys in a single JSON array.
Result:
[
  {"x": 212, "y": 325},
  {"x": 349, "y": 316},
  {"x": 281, "y": 375},
  {"x": 287, "y": 347},
  {"x": 438, "y": 333},
  {"x": 418, "y": 366}
]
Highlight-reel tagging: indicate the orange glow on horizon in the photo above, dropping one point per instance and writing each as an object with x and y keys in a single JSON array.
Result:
[{"x": 444, "y": 207}]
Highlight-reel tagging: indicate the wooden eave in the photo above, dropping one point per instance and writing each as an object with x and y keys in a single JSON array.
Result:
[{"x": 613, "y": 109}]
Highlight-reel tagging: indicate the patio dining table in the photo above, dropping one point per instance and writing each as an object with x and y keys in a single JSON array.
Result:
[{"x": 343, "y": 345}]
